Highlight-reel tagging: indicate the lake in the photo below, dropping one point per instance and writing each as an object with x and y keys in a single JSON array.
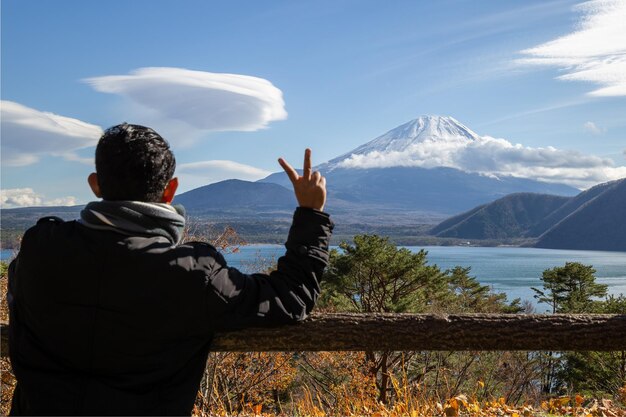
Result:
[{"x": 510, "y": 270}]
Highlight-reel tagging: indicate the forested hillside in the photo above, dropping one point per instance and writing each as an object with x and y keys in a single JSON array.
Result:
[{"x": 595, "y": 219}]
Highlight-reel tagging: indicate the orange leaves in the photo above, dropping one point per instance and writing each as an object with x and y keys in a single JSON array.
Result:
[
  {"x": 557, "y": 405},
  {"x": 357, "y": 398},
  {"x": 580, "y": 407},
  {"x": 453, "y": 406}
]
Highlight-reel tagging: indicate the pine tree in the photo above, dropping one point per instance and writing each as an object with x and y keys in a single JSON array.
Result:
[
  {"x": 567, "y": 289},
  {"x": 570, "y": 288}
]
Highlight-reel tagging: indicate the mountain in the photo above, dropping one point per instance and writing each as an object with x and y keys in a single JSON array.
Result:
[
  {"x": 424, "y": 128},
  {"x": 593, "y": 220},
  {"x": 434, "y": 191},
  {"x": 509, "y": 217},
  {"x": 237, "y": 195},
  {"x": 597, "y": 224},
  {"x": 570, "y": 207}
]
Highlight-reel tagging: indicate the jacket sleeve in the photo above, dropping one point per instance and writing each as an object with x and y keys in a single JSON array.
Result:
[{"x": 287, "y": 294}]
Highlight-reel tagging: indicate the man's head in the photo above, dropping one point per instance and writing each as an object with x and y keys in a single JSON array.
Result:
[{"x": 134, "y": 163}]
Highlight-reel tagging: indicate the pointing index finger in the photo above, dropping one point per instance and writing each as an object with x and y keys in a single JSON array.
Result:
[{"x": 306, "y": 171}]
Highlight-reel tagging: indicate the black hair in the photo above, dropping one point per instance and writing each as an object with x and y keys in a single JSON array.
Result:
[{"x": 133, "y": 163}]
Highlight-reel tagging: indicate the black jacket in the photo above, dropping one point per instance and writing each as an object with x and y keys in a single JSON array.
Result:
[{"x": 106, "y": 324}]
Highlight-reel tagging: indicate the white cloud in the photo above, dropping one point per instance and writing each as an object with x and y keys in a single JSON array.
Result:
[
  {"x": 27, "y": 197},
  {"x": 595, "y": 52},
  {"x": 197, "y": 174},
  {"x": 186, "y": 101},
  {"x": 593, "y": 128},
  {"x": 28, "y": 134},
  {"x": 497, "y": 157}
]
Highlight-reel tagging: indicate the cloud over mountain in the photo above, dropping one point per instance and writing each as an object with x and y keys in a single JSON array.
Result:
[
  {"x": 27, "y": 197},
  {"x": 455, "y": 146},
  {"x": 197, "y": 174},
  {"x": 197, "y": 100},
  {"x": 595, "y": 52},
  {"x": 28, "y": 134}
]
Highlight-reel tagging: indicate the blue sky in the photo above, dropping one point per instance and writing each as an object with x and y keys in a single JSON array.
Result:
[{"x": 330, "y": 75}]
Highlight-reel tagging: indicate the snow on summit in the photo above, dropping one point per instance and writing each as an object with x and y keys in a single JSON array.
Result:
[
  {"x": 442, "y": 141},
  {"x": 441, "y": 128},
  {"x": 422, "y": 129}
]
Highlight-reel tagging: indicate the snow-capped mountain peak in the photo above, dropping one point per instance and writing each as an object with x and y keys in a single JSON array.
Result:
[{"x": 422, "y": 129}]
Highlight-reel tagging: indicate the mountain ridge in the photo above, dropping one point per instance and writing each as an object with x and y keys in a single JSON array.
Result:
[
  {"x": 234, "y": 193},
  {"x": 599, "y": 223},
  {"x": 595, "y": 219},
  {"x": 508, "y": 217}
]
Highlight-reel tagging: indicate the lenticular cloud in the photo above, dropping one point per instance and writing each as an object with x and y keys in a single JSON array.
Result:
[
  {"x": 202, "y": 100},
  {"x": 28, "y": 134}
]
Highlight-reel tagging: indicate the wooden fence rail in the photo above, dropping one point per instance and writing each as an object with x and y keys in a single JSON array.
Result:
[{"x": 454, "y": 332}]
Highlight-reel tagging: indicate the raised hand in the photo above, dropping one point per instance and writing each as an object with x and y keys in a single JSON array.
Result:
[{"x": 310, "y": 187}]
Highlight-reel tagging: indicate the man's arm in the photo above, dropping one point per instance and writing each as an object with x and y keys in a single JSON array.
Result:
[{"x": 289, "y": 293}]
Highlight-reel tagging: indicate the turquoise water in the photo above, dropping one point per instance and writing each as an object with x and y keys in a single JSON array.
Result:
[{"x": 504, "y": 269}]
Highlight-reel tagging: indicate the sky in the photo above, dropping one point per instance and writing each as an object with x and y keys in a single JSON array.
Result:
[{"x": 233, "y": 85}]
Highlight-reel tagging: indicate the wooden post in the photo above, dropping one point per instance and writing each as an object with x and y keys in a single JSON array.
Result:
[{"x": 454, "y": 332}]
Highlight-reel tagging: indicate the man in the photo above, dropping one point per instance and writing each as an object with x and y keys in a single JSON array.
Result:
[{"x": 111, "y": 315}]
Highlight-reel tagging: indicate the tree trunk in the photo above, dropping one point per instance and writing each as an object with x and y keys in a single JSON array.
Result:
[{"x": 384, "y": 378}]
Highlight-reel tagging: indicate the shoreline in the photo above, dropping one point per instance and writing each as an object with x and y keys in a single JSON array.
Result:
[{"x": 7, "y": 252}]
